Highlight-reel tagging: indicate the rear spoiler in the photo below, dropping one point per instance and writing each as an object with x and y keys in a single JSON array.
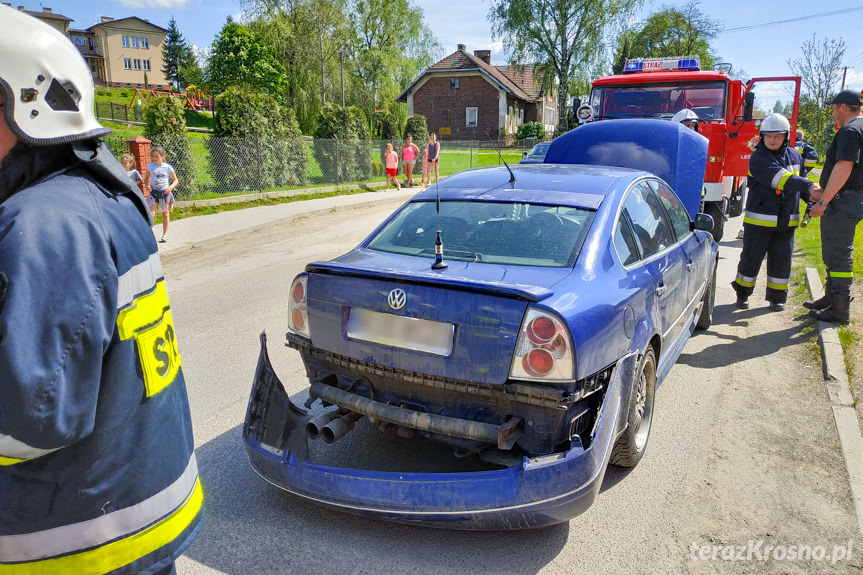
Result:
[{"x": 433, "y": 278}]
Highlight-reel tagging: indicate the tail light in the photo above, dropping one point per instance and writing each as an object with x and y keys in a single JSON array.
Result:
[
  {"x": 298, "y": 316},
  {"x": 544, "y": 349}
]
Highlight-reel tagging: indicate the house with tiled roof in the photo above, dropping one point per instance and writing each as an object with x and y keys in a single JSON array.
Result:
[
  {"x": 464, "y": 96},
  {"x": 122, "y": 52}
]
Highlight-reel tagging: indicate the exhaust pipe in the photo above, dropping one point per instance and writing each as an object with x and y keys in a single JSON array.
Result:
[
  {"x": 315, "y": 426},
  {"x": 338, "y": 428}
]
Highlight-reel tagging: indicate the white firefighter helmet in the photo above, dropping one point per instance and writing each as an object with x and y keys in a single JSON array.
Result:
[
  {"x": 774, "y": 124},
  {"x": 46, "y": 84},
  {"x": 684, "y": 115}
]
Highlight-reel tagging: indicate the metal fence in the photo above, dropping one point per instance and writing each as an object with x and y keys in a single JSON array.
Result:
[
  {"x": 209, "y": 167},
  {"x": 119, "y": 112}
]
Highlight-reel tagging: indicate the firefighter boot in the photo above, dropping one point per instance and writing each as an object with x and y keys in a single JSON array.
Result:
[
  {"x": 837, "y": 312},
  {"x": 821, "y": 303}
]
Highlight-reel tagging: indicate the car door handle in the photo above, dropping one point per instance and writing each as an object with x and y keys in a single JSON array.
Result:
[{"x": 660, "y": 291}]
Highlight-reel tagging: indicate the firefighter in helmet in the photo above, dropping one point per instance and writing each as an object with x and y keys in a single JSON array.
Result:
[
  {"x": 776, "y": 185},
  {"x": 686, "y": 117},
  {"x": 97, "y": 468},
  {"x": 807, "y": 152}
]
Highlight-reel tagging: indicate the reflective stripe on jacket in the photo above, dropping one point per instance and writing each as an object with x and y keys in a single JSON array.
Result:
[
  {"x": 97, "y": 467},
  {"x": 775, "y": 187}
]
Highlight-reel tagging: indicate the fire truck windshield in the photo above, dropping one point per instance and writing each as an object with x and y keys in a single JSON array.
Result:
[{"x": 707, "y": 99}]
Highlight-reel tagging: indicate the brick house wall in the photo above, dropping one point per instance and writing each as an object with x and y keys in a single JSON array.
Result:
[{"x": 446, "y": 107}]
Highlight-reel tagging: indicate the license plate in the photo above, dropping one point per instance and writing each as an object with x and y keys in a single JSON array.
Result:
[{"x": 403, "y": 332}]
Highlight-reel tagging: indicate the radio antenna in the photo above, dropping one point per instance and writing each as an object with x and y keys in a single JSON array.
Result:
[
  {"x": 438, "y": 264},
  {"x": 512, "y": 179}
]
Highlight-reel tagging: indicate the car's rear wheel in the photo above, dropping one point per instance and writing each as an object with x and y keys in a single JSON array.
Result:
[
  {"x": 705, "y": 320},
  {"x": 630, "y": 446}
]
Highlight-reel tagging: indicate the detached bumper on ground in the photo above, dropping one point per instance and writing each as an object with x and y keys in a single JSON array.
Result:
[{"x": 540, "y": 491}]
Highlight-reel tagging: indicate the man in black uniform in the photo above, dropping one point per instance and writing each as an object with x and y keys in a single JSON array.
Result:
[
  {"x": 841, "y": 208},
  {"x": 772, "y": 213}
]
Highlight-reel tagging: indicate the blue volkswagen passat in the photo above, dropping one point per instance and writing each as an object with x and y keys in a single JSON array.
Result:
[{"x": 521, "y": 319}]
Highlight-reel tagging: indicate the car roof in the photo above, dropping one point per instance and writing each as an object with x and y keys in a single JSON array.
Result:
[{"x": 560, "y": 184}]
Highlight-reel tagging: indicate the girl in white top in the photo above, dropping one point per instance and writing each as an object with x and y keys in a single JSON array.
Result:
[{"x": 161, "y": 179}]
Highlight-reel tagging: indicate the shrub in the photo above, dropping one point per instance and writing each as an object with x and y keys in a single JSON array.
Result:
[
  {"x": 257, "y": 143},
  {"x": 531, "y": 130},
  {"x": 166, "y": 127},
  {"x": 342, "y": 146}
]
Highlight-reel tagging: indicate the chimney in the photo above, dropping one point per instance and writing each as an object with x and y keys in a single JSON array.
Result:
[
  {"x": 484, "y": 55},
  {"x": 104, "y": 19},
  {"x": 462, "y": 47},
  {"x": 47, "y": 11}
]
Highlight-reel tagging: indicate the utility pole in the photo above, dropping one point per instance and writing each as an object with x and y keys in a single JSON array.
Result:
[
  {"x": 321, "y": 39},
  {"x": 844, "y": 72},
  {"x": 342, "y": 66}
]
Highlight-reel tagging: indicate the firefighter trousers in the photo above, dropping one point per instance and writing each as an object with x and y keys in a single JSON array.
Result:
[
  {"x": 838, "y": 224},
  {"x": 777, "y": 244}
]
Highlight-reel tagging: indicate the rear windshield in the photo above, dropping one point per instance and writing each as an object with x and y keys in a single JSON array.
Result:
[
  {"x": 488, "y": 232},
  {"x": 707, "y": 99}
]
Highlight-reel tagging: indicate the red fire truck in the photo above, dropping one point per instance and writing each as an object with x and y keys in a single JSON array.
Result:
[{"x": 659, "y": 87}]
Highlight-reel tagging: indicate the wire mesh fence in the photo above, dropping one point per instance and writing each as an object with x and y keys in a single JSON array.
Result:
[
  {"x": 210, "y": 167},
  {"x": 118, "y": 112}
]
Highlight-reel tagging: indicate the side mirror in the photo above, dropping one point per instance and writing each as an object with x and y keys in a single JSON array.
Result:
[
  {"x": 524, "y": 154},
  {"x": 703, "y": 222},
  {"x": 748, "y": 104}
]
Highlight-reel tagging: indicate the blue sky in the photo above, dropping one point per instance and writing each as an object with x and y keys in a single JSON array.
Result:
[{"x": 760, "y": 51}]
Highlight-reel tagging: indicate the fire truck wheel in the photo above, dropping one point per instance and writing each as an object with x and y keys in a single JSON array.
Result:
[
  {"x": 735, "y": 207},
  {"x": 712, "y": 210}
]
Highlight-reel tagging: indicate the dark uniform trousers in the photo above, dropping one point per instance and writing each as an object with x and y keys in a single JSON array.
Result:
[
  {"x": 838, "y": 225},
  {"x": 777, "y": 244}
]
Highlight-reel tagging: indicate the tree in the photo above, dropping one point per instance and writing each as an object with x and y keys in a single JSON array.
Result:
[
  {"x": 671, "y": 32},
  {"x": 176, "y": 54},
  {"x": 817, "y": 69},
  {"x": 563, "y": 36},
  {"x": 240, "y": 58},
  {"x": 390, "y": 46}
]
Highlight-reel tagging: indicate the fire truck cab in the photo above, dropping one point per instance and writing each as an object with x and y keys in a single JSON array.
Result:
[{"x": 659, "y": 87}]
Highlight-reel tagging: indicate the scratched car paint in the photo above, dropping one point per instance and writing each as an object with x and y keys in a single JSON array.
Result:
[{"x": 521, "y": 317}]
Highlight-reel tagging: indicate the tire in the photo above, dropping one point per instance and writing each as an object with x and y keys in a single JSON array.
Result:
[
  {"x": 632, "y": 443},
  {"x": 712, "y": 210},
  {"x": 736, "y": 207},
  {"x": 705, "y": 320}
]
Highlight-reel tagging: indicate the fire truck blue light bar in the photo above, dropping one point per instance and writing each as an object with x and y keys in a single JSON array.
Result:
[{"x": 675, "y": 64}]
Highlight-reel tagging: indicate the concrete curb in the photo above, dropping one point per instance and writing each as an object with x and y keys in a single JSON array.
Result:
[{"x": 839, "y": 390}]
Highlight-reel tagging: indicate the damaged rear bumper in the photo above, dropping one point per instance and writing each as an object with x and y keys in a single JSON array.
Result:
[{"x": 539, "y": 491}]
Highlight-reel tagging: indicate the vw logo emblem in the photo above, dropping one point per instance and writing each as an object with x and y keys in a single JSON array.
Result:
[{"x": 397, "y": 298}]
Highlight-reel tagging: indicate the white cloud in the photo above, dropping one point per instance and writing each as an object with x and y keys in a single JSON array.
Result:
[
  {"x": 153, "y": 3},
  {"x": 854, "y": 79},
  {"x": 496, "y": 47}
]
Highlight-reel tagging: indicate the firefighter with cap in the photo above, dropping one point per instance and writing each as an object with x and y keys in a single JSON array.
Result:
[
  {"x": 840, "y": 207},
  {"x": 686, "y": 117},
  {"x": 806, "y": 151},
  {"x": 97, "y": 464},
  {"x": 772, "y": 213}
]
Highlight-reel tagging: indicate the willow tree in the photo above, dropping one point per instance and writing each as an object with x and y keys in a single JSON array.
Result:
[{"x": 562, "y": 36}]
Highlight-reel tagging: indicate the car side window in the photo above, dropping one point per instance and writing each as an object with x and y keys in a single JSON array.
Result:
[
  {"x": 624, "y": 243},
  {"x": 678, "y": 215},
  {"x": 645, "y": 211}
]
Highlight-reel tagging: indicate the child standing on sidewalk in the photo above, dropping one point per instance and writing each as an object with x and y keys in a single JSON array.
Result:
[
  {"x": 161, "y": 179},
  {"x": 391, "y": 166}
]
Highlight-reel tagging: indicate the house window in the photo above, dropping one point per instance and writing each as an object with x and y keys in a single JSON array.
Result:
[
  {"x": 125, "y": 41},
  {"x": 137, "y": 64},
  {"x": 453, "y": 83},
  {"x": 134, "y": 41},
  {"x": 549, "y": 116},
  {"x": 470, "y": 117},
  {"x": 91, "y": 43},
  {"x": 147, "y": 65},
  {"x": 521, "y": 116},
  {"x": 128, "y": 85},
  {"x": 145, "y": 44},
  {"x": 127, "y": 63}
]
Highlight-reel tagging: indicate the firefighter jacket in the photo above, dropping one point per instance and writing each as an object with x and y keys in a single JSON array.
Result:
[
  {"x": 808, "y": 153},
  {"x": 97, "y": 468},
  {"x": 775, "y": 187}
]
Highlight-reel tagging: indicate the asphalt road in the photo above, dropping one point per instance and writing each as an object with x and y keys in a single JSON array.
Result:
[{"x": 743, "y": 465}]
